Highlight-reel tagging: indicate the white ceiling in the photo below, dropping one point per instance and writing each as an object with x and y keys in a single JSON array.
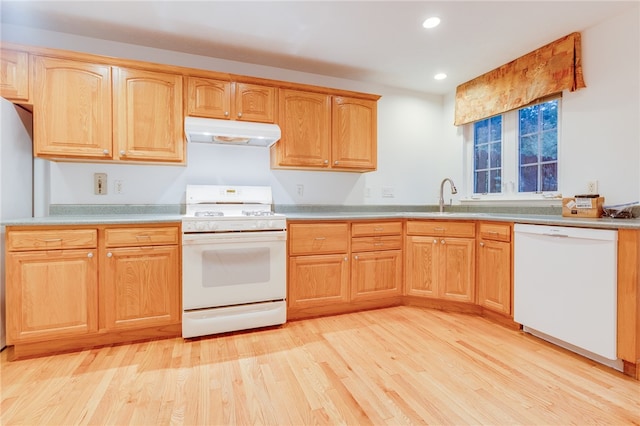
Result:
[{"x": 382, "y": 42}]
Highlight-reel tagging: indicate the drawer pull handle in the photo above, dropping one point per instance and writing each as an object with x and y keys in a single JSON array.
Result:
[
  {"x": 53, "y": 240},
  {"x": 143, "y": 236},
  {"x": 378, "y": 229},
  {"x": 439, "y": 229},
  {"x": 320, "y": 238},
  {"x": 378, "y": 244},
  {"x": 492, "y": 232}
]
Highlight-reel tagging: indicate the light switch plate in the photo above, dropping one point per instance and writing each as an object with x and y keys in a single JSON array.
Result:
[{"x": 100, "y": 183}]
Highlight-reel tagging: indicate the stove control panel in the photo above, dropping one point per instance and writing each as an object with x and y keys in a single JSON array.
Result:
[{"x": 198, "y": 224}]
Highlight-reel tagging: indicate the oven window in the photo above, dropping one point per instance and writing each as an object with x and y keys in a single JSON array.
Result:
[{"x": 235, "y": 266}]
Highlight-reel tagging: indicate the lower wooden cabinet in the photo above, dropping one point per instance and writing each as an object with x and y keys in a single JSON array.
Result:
[
  {"x": 69, "y": 288},
  {"x": 326, "y": 276},
  {"x": 51, "y": 294},
  {"x": 495, "y": 268},
  {"x": 440, "y": 264}
]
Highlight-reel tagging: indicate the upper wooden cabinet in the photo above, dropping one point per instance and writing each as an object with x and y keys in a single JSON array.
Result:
[
  {"x": 325, "y": 132},
  {"x": 229, "y": 100},
  {"x": 305, "y": 122},
  {"x": 92, "y": 111},
  {"x": 14, "y": 75},
  {"x": 354, "y": 133},
  {"x": 72, "y": 109},
  {"x": 148, "y": 123}
]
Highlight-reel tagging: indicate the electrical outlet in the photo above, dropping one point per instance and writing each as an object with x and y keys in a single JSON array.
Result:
[
  {"x": 300, "y": 189},
  {"x": 367, "y": 192},
  {"x": 387, "y": 192},
  {"x": 592, "y": 187},
  {"x": 118, "y": 185},
  {"x": 100, "y": 183}
]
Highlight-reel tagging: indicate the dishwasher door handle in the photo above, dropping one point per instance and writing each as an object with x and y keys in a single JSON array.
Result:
[{"x": 556, "y": 235}]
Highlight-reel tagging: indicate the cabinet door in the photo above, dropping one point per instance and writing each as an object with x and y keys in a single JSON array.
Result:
[
  {"x": 421, "y": 266},
  {"x": 456, "y": 277},
  {"x": 51, "y": 294},
  {"x": 305, "y": 121},
  {"x": 376, "y": 275},
  {"x": 255, "y": 103},
  {"x": 141, "y": 287},
  {"x": 72, "y": 109},
  {"x": 318, "y": 280},
  {"x": 354, "y": 134},
  {"x": 14, "y": 75},
  {"x": 208, "y": 98},
  {"x": 148, "y": 124},
  {"x": 494, "y": 275}
]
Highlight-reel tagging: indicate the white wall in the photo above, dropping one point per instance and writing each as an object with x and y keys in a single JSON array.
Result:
[{"x": 417, "y": 142}]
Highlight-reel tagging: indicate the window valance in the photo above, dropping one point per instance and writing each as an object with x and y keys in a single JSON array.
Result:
[{"x": 550, "y": 69}]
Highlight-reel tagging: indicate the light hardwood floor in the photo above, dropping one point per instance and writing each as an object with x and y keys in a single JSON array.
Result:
[{"x": 401, "y": 365}]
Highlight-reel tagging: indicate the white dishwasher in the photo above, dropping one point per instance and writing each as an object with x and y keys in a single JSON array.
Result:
[{"x": 565, "y": 288}]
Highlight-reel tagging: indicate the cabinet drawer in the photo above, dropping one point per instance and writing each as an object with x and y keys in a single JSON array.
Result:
[
  {"x": 442, "y": 228},
  {"x": 384, "y": 242},
  {"x": 495, "y": 231},
  {"x": 121, "y": 237},
  {"x": 376, "y": 228},
  {"x": 318, "y": 238},
  {"x": 53, "y": 239}
]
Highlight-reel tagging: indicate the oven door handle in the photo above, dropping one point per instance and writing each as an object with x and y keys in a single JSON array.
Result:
[{"x": 234, "y": 237}]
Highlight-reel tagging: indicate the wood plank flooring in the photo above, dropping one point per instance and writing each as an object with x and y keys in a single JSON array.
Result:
[{"x": 401, "y": 365}]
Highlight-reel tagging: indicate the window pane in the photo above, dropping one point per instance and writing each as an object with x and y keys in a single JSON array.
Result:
[
  {"x": 528, "y": 180},
  {"x": 550, "y": 146},
  {"x": 528, "y": 120},
  {"x": 495, "y": 155},
  {"x": 529, "y": 149},
  {"x": 480, "y": 184},
  {"x": 481, "y": 132},
  {"x": 495, "y": 183},
  {"x": 482, "y": 157},
  {"x": 549, "y": 115},
  {"x": 495, "y": 132},
  {"x": 550, "y": 177}
]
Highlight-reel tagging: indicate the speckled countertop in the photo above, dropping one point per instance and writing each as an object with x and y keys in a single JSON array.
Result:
[{"x": 132, "y": 214}]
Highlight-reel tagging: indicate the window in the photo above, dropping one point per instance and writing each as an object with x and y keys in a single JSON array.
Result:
[{"x": 515, "y": 153}]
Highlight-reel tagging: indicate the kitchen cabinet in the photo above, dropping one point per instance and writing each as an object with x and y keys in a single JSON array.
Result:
[
  {"x": 376, "y": 269},
  {"x": 440, "y": 260},
  {"x": 51, "y": 284},
  {"x": 495, "y": 267},
  {"x": 230, "y": 100},
  {"x": 75, "y": 287},
  {"x": 93, "y": 111},
  {"x": 325, "y": 132},
  {"x": 318, "y": 272},
  {"x": 72, "y": 109},
  {"x": 354, "y": 134},
  {"x": 141, "y": 278},
  {"x": 148, "y": 123},
  {"x": 15, "y": 79}
]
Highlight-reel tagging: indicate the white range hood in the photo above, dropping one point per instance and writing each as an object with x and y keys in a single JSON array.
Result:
[{"x": 242, "y": 133}]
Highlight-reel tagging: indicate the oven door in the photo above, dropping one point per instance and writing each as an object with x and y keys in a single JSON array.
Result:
[{"x": 233, "y": 268}]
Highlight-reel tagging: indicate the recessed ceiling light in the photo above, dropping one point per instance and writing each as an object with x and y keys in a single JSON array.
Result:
[
  {"x": 432, "y": 22},
  {"x": 440, "y": 76}
]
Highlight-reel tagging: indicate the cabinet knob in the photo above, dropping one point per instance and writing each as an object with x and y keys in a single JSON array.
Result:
[
  {"x": 122, "y": 152},
  {"x": 326, "y": 161},
  {"x": 89, "y": 255},
  {"x": 435, "y": 241},
  {"x": 226, "y": 113},
  {"x": 355, "y": 257},
  {"x": 109, "y": 254},
  {"x": 335, "y": 162},
  {"x": 481, "y": 244},
  {"x": 441, "y": 241},
  {"x": 105, "y": 152},
  {"x": 239, "y": 115},
  {"x": 346, "y": 258}
]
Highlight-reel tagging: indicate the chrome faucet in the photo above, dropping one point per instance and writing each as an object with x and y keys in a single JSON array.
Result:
[{"x": 453, "y": 191}]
